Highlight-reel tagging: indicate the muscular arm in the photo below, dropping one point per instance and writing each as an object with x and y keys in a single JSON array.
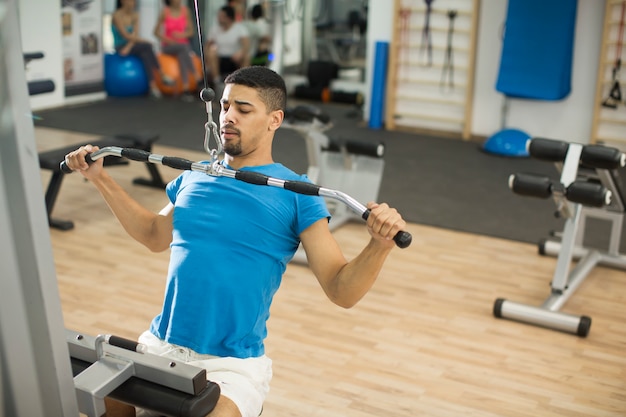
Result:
[
  {"x": 158, "y": 28},
  {"x": 150, "y": 229},
  {"x": 345, "y": 283}
]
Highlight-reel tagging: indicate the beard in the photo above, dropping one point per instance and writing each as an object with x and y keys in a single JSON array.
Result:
[{"x": 232, "y": 148}]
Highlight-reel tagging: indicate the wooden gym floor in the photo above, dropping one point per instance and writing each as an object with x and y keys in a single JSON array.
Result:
[{"x": 423, "y": 342}]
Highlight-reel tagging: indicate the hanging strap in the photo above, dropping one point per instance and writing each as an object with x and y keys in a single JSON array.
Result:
[
  {"x": 448, "y": 63},
  {"x": 427, "y": 42},
  {"x": 405, "y": 18}
]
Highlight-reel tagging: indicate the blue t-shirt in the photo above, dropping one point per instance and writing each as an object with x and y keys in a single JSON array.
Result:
[{"x": 230, "y": 246}]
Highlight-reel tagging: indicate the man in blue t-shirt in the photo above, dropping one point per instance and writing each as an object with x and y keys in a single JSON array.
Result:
[{"x": 230, "y": 243}]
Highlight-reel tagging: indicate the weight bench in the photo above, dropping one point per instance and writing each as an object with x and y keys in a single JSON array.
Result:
[
  {"x": 51, "y": 160},
  {"x": 109, "y": 366},
  {"x": 589, "y": 187}
]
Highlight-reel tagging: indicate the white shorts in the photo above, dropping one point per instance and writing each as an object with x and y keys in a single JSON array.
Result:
[{"x": 244, "y": 381}]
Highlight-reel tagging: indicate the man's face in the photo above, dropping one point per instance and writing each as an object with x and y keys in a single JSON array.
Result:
[
  {"x": 223, "y": 20},
  {"x": 244, "y": 120}
]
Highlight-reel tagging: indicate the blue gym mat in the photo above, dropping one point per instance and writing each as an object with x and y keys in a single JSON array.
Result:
[{"x": 537, "y": 50}]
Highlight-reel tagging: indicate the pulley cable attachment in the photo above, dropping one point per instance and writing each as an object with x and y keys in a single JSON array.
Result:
[{"x": 210, "y": 127}]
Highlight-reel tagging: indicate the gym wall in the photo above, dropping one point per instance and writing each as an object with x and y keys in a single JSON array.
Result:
[{"x": 568, "y": 119}]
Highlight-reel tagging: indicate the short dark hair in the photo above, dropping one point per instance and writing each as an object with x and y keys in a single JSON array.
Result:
[
  {"x": 269, "y": 84},
  {"x": 256, "y": 12},
  {"x": 229, "y": 11}
]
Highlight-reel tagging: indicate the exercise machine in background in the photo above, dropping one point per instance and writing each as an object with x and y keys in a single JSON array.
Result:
[
  {"x": 589, "y": 187},
  {"x": 351, "y": 165}
]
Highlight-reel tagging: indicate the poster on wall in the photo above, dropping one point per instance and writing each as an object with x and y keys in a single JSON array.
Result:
[{"x": 81, "y": 24}]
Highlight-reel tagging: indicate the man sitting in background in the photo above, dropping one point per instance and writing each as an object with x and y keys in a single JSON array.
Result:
[{"x": 227, "y": 47}]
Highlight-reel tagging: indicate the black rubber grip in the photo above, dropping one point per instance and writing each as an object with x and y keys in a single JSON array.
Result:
[
  {"x": 531, "y": 185},
  {"x": 40, "y": 87},
  {"x": 497, "y": 307},
  {"x": 123, "y": 343},
  {"x": 177, "y": 163},
  {"x": 135, "y": 154},
  {"x": 548, "y": 149},
  {"x": 29, "y": 56},
  {"x": 587, "y": 193},
  {"x": 302, "y": 187},
  {"x": 584, "y": 325},
  {"x": 376, "y": 150},
  {"x": 252, "y": 177},
  {"x": 66, "y": 170},
  {"x": 299, "y": 187},
  {"x": 403, "y": 239},
  {"x": 602, "y": 157}
]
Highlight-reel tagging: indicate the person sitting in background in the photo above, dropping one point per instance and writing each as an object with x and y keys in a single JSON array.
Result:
[
  {"x": 126, "y": 40},
  {"x": 260, "y": 39},
  {"x": 174, "y": 28},
  {"x": 227, "y": 46},
  {"x": 239, "y": 7}
]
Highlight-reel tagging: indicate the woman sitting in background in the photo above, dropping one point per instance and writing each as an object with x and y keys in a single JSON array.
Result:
[
  {"x": 125, "y": 27},
  {"x": 174, "y": 28}
]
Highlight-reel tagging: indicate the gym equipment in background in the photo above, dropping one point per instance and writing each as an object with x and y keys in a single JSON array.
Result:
[
  {"x": 536, "y": 62},
  {"x": 320, "y": 74},
  {"x": 36, "y": 87},
  {"x": 351, "y": 165},
  {"x": 110, "y": 366},
  {"x": 124, "y": 76},
  {"x": 379, "y": 87},
  {"x": 170, "y": 67},
  {"x": 589, "y": 187},
  {"x": 50, "y": 160},
  {"x": 447, "y": 73},
  {"x": 427, "y": 42}
]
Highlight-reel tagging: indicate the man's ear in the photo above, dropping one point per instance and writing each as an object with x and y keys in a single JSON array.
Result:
[{"x": 276, "y": 119}]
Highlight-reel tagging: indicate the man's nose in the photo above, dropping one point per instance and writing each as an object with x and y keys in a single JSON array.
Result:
[{"x": 228, "y": 116}]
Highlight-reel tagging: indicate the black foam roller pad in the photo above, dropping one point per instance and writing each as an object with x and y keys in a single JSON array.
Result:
[
  {"x": 588, "y": 194},
  {"x": 602, "y": 157},
  {"x": 548, "y": 149},
  {"x": 531, "y": 185},
  {"x": 376, "y": 150}
]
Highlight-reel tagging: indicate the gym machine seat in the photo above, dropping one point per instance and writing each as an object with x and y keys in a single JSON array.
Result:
[
  {"x": 109, "y": 366},
  {"x": 50, "y": 160},
  {"x": 589, "y": 187}
]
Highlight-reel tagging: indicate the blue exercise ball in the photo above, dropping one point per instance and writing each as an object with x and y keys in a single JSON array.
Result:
[{"x": 124, "y": 76}]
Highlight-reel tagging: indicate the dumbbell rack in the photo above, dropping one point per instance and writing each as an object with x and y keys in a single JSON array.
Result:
[{"x": 588, "y": 188}]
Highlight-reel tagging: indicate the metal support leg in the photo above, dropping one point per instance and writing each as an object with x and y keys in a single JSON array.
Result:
[{"x": 98, "y": 381}]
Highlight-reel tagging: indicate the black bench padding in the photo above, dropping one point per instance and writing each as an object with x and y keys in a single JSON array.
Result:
[
  {"x": 160, "y": 399},
  {"x": 51, "y": 160}
]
